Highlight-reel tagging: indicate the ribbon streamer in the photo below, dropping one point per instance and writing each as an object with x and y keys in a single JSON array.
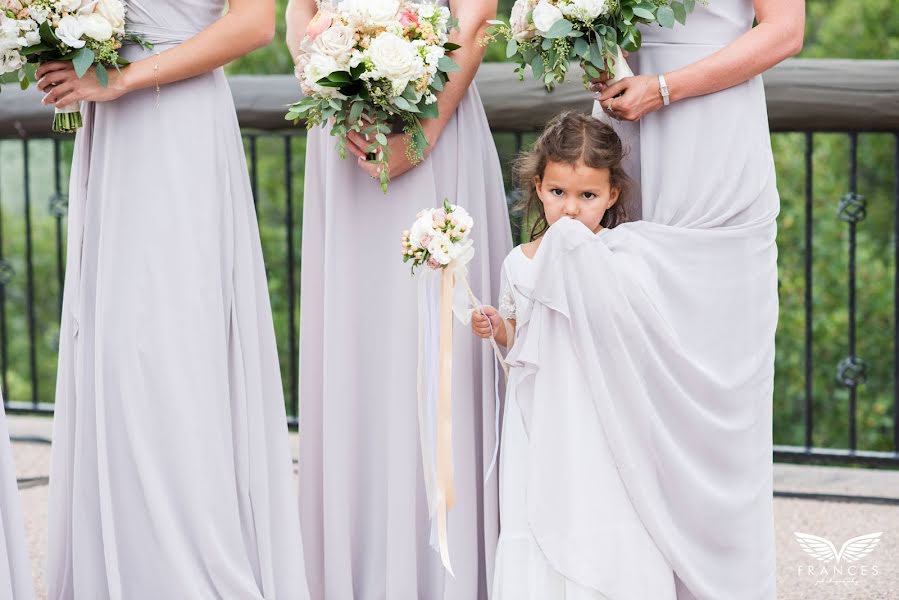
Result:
[{"x": 440, "y": 294}]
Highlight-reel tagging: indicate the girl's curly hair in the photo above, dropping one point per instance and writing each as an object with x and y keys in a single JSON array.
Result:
[{"x": 572, "y": 138}]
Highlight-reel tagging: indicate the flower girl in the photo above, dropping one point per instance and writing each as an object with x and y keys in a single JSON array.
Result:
[{"x": 574, "y": 171}]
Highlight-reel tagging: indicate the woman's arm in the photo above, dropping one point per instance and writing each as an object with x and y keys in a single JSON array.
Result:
[
  {"x": 299, "y": 13},
  {"x": 778, "y": 35},
  {"x": 248, "y": 25},
  {"x": 473, "y": 16}
]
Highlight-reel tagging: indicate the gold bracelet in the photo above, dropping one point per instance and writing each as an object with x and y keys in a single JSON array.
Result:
[{"x": 156, "y": 77}]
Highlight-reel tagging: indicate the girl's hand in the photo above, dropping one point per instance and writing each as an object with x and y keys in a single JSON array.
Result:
[
  {"x": 481, "y": 323},
  {"x": 63, "y": 87},
  {"x": 632, "y": 98},
  {"x": 399, "y": 163}
]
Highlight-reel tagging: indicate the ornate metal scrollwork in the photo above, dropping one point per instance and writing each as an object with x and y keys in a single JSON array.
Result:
[
  {"x": 852, "y": 371},
  {"x": 853, "y": 208}
]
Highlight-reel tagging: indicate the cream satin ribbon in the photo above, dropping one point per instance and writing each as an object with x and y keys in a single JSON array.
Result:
[{"x": 436, "y": 307}]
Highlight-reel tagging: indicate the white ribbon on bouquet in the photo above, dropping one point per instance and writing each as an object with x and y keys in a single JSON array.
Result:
[
  {"x": 622, "y": 70},
  {"x": 442, "y": 293}
]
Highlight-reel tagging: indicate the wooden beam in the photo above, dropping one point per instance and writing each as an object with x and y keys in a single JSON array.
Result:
[{"x": 803, "y": 94}]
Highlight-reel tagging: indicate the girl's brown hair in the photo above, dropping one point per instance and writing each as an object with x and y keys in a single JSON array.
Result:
[{"x": 572, "y": 138}]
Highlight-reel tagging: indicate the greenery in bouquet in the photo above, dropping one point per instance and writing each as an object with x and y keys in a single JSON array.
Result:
[
  {"x": 547, "y": 35},
  {"x": 373, "y": 66},
  {"x": 87, "y": 32}
]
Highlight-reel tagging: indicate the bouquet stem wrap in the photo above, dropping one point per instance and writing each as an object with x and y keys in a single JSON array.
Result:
[
  {"x": 621, "y": 69},
  {"x": 68, "y": 119}
]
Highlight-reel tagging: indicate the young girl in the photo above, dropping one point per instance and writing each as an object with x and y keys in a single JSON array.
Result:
[{"x": 573, "y": 171}]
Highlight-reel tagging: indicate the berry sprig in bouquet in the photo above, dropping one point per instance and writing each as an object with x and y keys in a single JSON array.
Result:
[{"x": 375, "y": 67}]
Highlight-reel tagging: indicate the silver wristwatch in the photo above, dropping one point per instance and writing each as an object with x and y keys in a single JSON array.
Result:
[{"x": 663, "y": 89}]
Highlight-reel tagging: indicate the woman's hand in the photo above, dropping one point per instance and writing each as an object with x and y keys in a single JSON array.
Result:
[
  {"x": 632, "y": 98},
  {"x": 64, "y": 88},
  {"x": 398, "y": 163},
  {"x": 601, "y": 83}
]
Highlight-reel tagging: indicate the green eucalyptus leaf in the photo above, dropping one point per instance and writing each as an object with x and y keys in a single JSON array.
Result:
[
  {"x": 690, "y": 5},
  {"x": 643, "y": 13},
  {"x": 538, "y": 67},
  {"x": 665, "y": 16},
  {"x": 102, "y": 75},
  {"x": 82, "y": 60},
  {"x": 680, "y": 12},
  {"x": 448, "y": 65},
  {"x": 559, "y": 29},
  {"x": 511, "y": 48}
]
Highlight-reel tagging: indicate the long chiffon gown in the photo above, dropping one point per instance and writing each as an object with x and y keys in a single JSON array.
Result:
[
  {"x": 362, "y": 495},
  {"x": 643, "y": 367},
  {"x": 171, "y": 474},
  {"x": 15, "y": 567}
]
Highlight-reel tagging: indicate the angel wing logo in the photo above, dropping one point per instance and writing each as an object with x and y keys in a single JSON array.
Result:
[{"x": 853, "y": 550}]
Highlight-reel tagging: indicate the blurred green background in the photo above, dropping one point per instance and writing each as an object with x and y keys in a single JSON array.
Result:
[{"x": 836, "y": 29}]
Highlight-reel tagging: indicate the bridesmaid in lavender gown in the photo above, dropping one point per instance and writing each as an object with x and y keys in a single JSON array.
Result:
[
  {"x": 15, "y": 568},
  {"x": 171, "y": 475},
  {"x": 362, "y": 494}
]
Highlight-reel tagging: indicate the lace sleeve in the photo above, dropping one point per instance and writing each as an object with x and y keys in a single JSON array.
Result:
[{"x": 506, "y": 297}]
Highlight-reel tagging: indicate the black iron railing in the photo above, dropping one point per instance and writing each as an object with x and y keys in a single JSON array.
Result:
[{"x": 837, "y": 349}]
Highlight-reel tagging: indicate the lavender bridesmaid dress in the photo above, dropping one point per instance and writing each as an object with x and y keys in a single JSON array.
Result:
[
  {"x": 15, "y": 567},
  {"x": 171, "y": 474},
  {"x": 364, "y": 514},
  {"x": 652, "y": 467}
]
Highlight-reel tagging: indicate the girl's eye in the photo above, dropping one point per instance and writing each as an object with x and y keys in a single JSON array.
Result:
[
  {"x": 557, "y": 192},
  {"x": 589, "y": 195}
]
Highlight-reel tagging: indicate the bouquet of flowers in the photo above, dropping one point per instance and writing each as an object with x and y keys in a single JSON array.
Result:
[
  {"x": 86, "y": 32},
  {"x": 370, "y": 65},
  {"x": 438, "y": 237},
  {"x": 548, "y": 34}
]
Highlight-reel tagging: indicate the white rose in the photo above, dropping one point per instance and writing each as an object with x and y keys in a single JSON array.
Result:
[
  {"x": 32, "y": 38},
  {"x": 546, "y": 15},
  {"x": 96, "y": 27},
  {"x": 337, "y": 42},
  {"x": 114, "y": 13},
  {"x": 441, "y": 248},
  {"x": 586, "y": 11},
  {"x": 10, "y": 61},
  {"x": 522, "y": 29},
  {"x": 396, "y": 60},
  {"x": 319, "y": 67},
  {"x": 375, "y": 12},
  {"x": 422, "y": 229},
  {"x": 70, "y": 30}
]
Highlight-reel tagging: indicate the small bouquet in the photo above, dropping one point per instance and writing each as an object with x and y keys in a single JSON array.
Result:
[
  {"x": 371, "y": 65},
  {"x": 86, "y": 32},
  {"x": 438, "y": 237},
  {"x": 548, "y": 34}
]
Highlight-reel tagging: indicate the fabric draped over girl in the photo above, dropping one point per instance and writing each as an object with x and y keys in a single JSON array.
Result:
[
  {"x": 670, "y": 322},
  {"x": 171, "y": 474},
  {"x": 15, "y": 566}
]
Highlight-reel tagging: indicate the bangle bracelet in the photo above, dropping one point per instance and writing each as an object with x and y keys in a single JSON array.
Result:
[{"x": 156, "y": 77}]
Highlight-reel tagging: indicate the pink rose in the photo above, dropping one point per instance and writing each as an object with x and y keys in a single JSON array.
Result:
[
  {"x": 408, "y": 19},
  {"x": 322, "y": 20},
  {"x": 434, "y": 263},
  {"x": 425, "y": 240}
]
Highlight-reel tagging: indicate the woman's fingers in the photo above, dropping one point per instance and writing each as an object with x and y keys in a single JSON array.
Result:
[
  {"x": 356, "y": 144},
  {"x": 51, "y": 67},
  {"x": 58, "y": 92},
  {"x": 53, "y": 78},
  {"x": 614, "y": 90}
]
